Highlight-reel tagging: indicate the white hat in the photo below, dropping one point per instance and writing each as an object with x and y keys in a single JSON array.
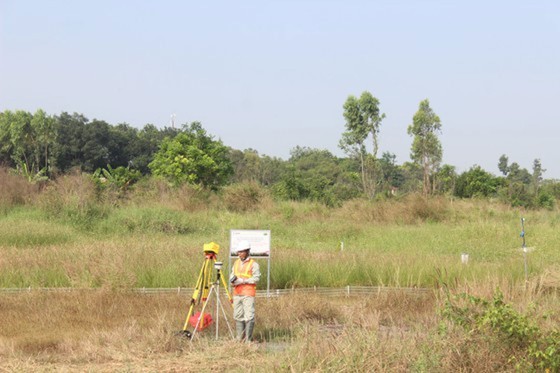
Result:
[{"x": 243, "y": 245}]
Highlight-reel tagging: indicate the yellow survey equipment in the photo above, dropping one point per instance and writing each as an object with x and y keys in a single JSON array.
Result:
[{"x": 208, "y": 282}]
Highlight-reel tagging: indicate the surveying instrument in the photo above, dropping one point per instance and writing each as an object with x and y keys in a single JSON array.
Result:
[{"x": 207, "y": 288}]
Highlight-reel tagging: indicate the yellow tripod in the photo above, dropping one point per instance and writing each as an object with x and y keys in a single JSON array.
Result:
[{"x": 206, "y": 285}]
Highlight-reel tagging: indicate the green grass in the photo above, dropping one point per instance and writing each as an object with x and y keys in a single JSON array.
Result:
[{"x": 156, "y": 245}]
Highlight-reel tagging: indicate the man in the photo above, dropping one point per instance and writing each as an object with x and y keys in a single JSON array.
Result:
[{"x": 244, "y": 277}]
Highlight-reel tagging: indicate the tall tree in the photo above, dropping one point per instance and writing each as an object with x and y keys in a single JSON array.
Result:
[
  {"x": 503, "y": 164},
  {"x": 45, "y": 127},
  {"x": 146, "y": 145},
  {"x": 22, "y": 140},
  {"x": 69, "y": 148},
  {"x": 96, "y": 149},
  {"x": 538, "y": 172},
  {"x": 363, "y": 119},
  {"x": 426, "y": 147},
  {"x": 6, "y": 146}
]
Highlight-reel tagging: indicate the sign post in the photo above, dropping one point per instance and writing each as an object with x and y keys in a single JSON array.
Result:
[{"x": 260, "y": 247}]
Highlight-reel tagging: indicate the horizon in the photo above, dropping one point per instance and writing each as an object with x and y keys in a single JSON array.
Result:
[{"x": 274, "y": 75}]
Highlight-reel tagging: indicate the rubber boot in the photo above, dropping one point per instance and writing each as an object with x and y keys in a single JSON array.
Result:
[
  {"x": 240, "y": 329},
  {"x": 249, "y": 331}
]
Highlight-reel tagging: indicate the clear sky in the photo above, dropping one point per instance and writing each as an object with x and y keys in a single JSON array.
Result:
[{"x": 271, "y": 75}]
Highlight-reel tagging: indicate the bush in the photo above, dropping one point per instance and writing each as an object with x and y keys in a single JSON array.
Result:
[
  {"x": 545, "y": 200},
  {"x": 529, "y": 347},
  {"x": 245, "y": 197}
]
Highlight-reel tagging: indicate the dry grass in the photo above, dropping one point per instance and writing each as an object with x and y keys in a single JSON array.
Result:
[
  {"x": 108, "y": 331},
  {"x": 246, "y": 197},
  {"x": 15, "y": 190},
  {"x": 121, "y": 331}
]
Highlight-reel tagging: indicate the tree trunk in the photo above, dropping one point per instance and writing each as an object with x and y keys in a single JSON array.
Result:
[
  {"x": 364, "y": 182},
  {"x": 426, "y": 177}
]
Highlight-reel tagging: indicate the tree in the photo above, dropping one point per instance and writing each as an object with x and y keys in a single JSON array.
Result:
[
  {"x": 426, "y": 147},
  {"x": 363, "y": 120},
  {"x": 446, "y": 178},
  {"x": 476, "y": 182},
  {"x": 21, "y": 141},
  {"x": 146, "y": 145},
  {"x": 391, "y": 174},
  {"x": 193, "y": 157},
  {"x": 503, "y": 165},
  {"x": 68, "y": 151},
  {"x": 123, "y": 147},
  {"x": 247, "y": 165},
  {"x": 96, "y": 139},
  {"x": 6, "y": 147},
  {"x": 46, "y": 132},
  {"x": 412, "y": 177},
  {"x": 515, "y": 188},
  {"x": 538, "y": 172},
  {"x": 320, "y": 174}
]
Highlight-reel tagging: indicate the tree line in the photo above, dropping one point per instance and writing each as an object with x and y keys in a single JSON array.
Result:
[{"x": 40, "y": 147}]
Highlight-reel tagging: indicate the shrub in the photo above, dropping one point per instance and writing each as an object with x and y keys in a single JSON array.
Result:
[
  {"x": 245, "y": 197},
  {"x": 545, "y": 200},
  {"x": 529, "y": 347}
]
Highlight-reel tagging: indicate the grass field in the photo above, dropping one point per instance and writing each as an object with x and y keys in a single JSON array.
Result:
[
  {"x": 155, "y": 246},
  {"x": 69, "y": 236}
]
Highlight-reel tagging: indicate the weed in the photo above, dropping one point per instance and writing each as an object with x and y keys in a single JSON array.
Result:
[{"x": 526, "y": 345}]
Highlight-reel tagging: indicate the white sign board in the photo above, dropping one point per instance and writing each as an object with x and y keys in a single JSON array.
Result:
[{"x": 259, "y": 240}]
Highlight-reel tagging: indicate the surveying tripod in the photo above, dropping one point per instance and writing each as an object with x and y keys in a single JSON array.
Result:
[{"x": 206, "y": 286}]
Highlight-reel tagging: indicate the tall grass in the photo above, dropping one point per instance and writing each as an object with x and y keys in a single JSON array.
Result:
[
  {"x": 15, "y": 190},
  {"x": 71, "y": 234}
]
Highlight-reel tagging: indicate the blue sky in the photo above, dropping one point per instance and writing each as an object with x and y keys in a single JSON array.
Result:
[{"x": 272, "y": 75}]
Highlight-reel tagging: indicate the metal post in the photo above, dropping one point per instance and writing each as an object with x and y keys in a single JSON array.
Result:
[
  {"x": 524, "y": 248},
  {"x": 217, "y": 305}
]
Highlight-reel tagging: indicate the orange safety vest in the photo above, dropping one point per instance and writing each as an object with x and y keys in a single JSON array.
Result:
[{"x": 244, "y": 271}]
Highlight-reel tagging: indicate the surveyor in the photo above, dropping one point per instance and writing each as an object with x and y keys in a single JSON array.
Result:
[{"x": 244, "y": 277}]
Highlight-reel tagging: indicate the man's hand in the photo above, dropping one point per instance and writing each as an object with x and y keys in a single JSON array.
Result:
[{"x": 238, "y": 281}]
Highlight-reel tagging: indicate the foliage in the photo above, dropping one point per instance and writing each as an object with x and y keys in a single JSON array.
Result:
[
  {"x": 363, "y": 119},
  {"x": 249, "y": 166},
  {"x": 391, "y": 175},
  {"x": 26, "y": 140},
  {"x": 290, "y": 187},
  {"x": 503, "y": 164},
  {"x": 68, "y": 149},
  {"x": 146, "y": 145},
  {"x": 476, "y": 183},
  {"x": 193, "y": 157},
  {"x": 426, "y": 148},
  {"x": 31, "y": 176},
  {"x": 545, "y": 200},
  {"x": 120, "y": 178},
  {"x": 445, "y": 179},
  {"x": 529, "y": 346},
  {"x": 537, "y": 176},
  {"x": 41, "y": 146},
  {"x": 551, "y": 187},
  {"x": 316, "y": 175}
]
